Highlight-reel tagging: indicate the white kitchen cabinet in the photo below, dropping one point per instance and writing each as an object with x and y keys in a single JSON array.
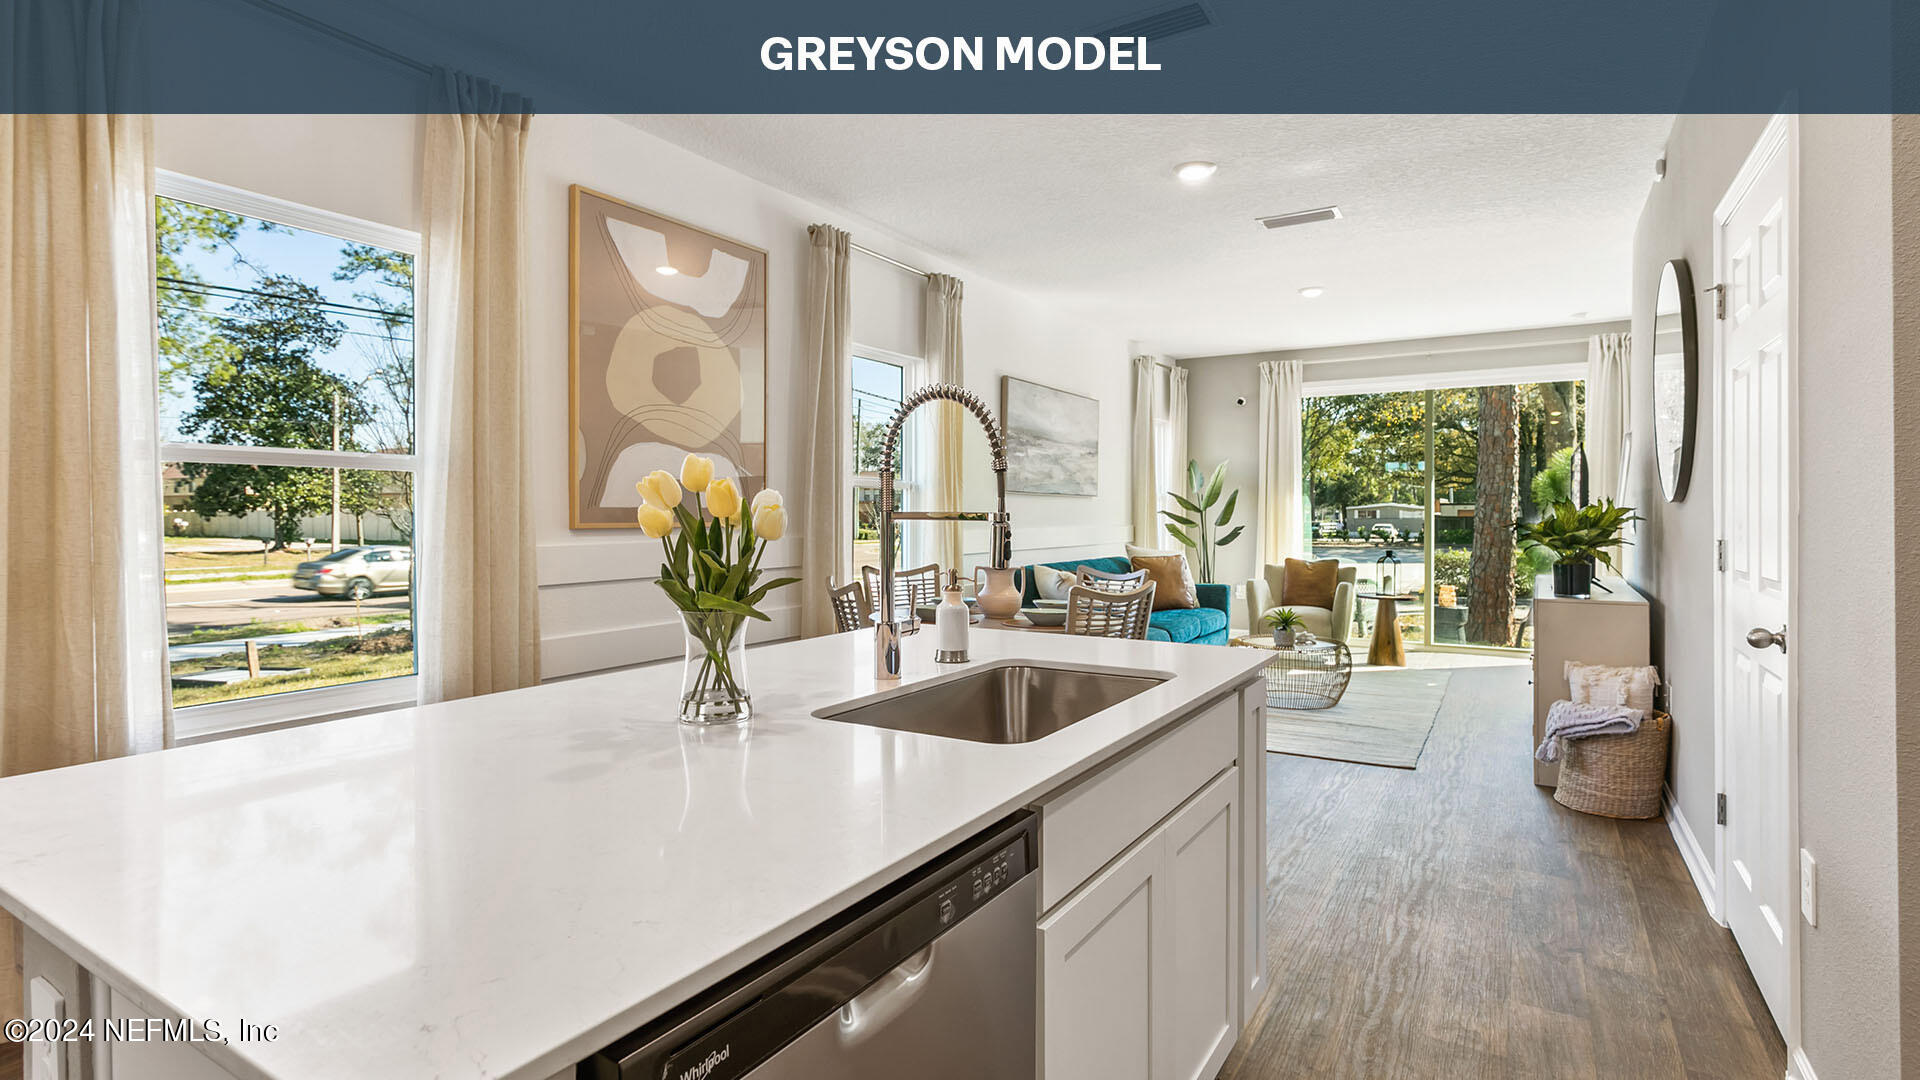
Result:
[
  {"x": 1140, "y": 967},
  {"x": 1099, "y": 954},
  {"x": 1253, "y": 849},
  {"x": 1201, "y": 863}
]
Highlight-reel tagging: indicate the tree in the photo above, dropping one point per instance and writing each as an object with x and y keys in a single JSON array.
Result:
[
  {"x": 270, "y": 391},
  {"x": 189, "y": 341},
  {"x": 387, "y": 279},
  {"x": 1490, "y": 604}
]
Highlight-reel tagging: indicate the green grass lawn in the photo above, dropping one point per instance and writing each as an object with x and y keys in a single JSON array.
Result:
[
  {"x": 380, "y": 654},
  {"x": 256, "y": 628}
]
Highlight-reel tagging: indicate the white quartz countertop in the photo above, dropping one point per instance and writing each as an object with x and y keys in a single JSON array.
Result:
[{"x": 497, "y": 887}]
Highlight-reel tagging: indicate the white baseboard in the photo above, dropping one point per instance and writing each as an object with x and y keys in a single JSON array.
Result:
[
  {"x": 1798, "y": 1067},
  {"x": 1698, "y": 865}
]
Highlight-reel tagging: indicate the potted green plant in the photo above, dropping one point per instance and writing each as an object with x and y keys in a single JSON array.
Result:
[
  {"x": 1578, "y": 537},
  {"x": 1196, "y": 525},
  {"x": 1285, "y": 622}
]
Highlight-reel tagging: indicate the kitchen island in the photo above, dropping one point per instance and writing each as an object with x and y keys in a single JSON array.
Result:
[{"x": 498, "y": 887}]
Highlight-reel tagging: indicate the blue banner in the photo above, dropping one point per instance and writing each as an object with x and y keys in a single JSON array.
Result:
[{"x": 1079, "y": 56}]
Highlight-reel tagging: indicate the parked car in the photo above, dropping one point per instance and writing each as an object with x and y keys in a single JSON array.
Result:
[
  {"x": 1330, "y": 528},
  {"x": 357, "y": 572},
  {"x": 1383, "y": 531}
]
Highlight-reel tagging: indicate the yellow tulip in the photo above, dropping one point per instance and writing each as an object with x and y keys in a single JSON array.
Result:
[
  {"x": 770, "y": 522},
  {"x": 696, "y": 473},
  {"x": 660, "y": 489},
  {"x": 655, "y": 521},
  {"x": 765, "y": 498},
  {"x": 723, "y": 498}
]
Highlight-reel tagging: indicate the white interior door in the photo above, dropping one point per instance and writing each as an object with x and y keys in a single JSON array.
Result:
[{"x": 1756, "y": 386}]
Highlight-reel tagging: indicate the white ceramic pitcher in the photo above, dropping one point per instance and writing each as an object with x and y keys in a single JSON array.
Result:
[{"x": 1000, "y": 596}]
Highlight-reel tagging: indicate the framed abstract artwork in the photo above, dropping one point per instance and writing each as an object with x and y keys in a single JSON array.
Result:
[
  {"x": 668, "y": 355},
  {"x": 1053, "y": 439}
]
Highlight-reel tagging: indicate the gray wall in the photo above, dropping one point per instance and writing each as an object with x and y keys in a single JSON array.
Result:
[
  {"x": 1906, "y": 408},
  {"x": 1219, "y": 430},
  {"x": 1844, "y": 640}
]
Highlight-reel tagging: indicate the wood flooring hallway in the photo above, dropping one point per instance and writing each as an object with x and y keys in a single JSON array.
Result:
[{"x": 1456, "y": 922}]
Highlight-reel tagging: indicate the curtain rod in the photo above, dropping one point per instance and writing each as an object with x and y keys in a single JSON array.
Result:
[
  {"x": 872, "y": 254},
  {"x": 338, "y": 34}
]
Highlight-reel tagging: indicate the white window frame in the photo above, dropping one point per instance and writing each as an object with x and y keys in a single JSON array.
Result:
[
  {"x": 913, "y": 375},
  {"x": 199, "y": 723}
]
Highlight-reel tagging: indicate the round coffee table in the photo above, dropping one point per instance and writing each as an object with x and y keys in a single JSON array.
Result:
[{"x": 1310, "y": 676}]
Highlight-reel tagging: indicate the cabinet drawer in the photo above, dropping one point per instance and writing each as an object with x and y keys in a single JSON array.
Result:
[{"x": 1086, "y": 825}]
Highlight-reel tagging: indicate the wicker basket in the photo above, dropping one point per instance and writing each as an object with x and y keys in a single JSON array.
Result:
[{"x": 1616, "y": 776}]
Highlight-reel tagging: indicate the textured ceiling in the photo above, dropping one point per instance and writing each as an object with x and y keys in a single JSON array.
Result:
[{"x": 1454, "y": 224}]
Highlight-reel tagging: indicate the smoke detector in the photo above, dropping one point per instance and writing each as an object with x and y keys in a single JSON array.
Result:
[{"x": 1301, "y": 217}]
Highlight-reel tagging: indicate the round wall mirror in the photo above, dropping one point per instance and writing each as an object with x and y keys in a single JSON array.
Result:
[{"x": 1676, "y": 381}]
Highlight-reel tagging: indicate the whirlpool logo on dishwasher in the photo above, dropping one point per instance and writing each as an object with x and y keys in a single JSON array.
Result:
[{"x": 707, "y": 1064}]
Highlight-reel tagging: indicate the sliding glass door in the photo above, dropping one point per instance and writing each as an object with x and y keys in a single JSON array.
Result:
[{"x": 1421, "y": 489}]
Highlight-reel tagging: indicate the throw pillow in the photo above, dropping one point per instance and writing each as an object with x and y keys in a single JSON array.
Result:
[
  {"x": 1172, "y": 583},
  {"x": 1600, "y": 684},
  {"x": 1310, "y": 584},
  {"x": 1135, "y": 551},
  {"x": 1052, "y": 583}
]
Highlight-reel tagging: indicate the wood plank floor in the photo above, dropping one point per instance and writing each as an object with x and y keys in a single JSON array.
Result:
[{"x": 1456, "y": 922}]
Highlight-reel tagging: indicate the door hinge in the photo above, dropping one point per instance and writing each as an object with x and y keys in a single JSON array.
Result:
[
  {"x": 1720, "y": 809},
  {"x": 1720, "y": 555},
  {"x": 1719, "y": 301}
]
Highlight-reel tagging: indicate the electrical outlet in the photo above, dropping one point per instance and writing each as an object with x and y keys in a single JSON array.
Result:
[{"x": 1807, "y": 909}]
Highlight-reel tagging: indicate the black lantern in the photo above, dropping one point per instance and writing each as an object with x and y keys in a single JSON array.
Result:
[{"x": 1386, "y": 567}]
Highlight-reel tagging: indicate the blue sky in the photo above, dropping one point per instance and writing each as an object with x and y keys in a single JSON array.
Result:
[{"x": 309, "y": 256}]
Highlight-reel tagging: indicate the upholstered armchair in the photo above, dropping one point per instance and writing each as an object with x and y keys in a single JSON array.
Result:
[{"x": 1327, "y": 624}]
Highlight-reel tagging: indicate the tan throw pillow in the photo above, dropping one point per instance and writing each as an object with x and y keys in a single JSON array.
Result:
[
  {"x": 1172, "y": 583},
  {"x": 1310, "y": 584}
]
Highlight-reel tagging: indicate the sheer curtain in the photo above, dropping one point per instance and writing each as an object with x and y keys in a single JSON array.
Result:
[
  {"x": 1281, "y": 525},
  {"x": 478, "y": 580},
  {"x": 826, "y": 553},
  {"x": 1173, "y": 474},
  {"x": 82, "y": 644},
  {"x": 1608, "y": 367},
  {"x": 1144, "y": 464},
  {"x": 941, "y": 346}
]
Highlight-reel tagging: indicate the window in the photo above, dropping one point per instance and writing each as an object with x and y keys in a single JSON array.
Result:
[
  {"x": 286, "y": 380},
  {"x": 1396, "y": 482},
  {"x": 880, "y": 381}
]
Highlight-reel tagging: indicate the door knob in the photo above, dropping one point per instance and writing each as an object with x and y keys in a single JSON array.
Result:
[{"x": 1760, "y": 637}]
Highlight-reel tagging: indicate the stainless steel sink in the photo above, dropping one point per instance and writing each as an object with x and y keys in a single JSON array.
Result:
[{"x": 1016, "y": 703}]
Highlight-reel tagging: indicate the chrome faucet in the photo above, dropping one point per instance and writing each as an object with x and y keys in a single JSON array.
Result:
[{"x": 886, "y": 636}]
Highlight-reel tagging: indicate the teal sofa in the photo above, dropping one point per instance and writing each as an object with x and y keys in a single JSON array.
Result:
[{"x": 1203, "y": 625}]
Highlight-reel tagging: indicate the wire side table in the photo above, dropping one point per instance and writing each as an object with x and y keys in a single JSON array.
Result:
[{"x": 1312, "y": 676}]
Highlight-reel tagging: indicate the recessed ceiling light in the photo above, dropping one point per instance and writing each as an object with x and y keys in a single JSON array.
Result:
[
  {"x": 1312, "y": 291},
  {"x": 665, "y": 271},
  {"x": 1195, "y": 172}
]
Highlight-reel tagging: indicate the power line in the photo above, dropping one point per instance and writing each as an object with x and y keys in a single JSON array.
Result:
[
  {"x": 224, "y": 317},
  {"x": 210, "y": 287}
]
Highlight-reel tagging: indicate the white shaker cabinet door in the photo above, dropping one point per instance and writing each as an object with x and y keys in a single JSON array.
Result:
[
  {"x": 1201, "y": 867},
  {"x": 1101, "y": 954}
]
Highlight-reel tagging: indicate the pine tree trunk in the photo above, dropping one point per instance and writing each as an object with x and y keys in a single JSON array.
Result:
[{"x": 1490, "y": 570}]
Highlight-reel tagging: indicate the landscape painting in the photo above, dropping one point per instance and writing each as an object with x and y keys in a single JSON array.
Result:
[
  {"x": 1053, "y": 439},
  {"x": 669, "y": 355}
]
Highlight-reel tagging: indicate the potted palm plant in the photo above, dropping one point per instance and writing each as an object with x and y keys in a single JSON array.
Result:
[
  {"x": 1578, "y": 537},
  {"x": 1195, "y": 524},
  {"x": 1286, "y": 622}
]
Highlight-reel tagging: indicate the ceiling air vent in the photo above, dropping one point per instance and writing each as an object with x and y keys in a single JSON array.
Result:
[
  {"x": 1301, "y": 217},
  {"x": 1159, "y": 23}
]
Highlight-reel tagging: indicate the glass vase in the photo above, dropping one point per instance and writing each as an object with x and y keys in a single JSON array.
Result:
[{"x": 713, "y": 680}]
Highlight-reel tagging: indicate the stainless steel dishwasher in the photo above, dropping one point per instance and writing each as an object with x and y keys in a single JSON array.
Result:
[{"x": 933, "y": 978}]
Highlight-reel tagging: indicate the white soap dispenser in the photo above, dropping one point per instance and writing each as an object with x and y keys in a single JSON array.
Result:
[{"x": 950, "y": 624}]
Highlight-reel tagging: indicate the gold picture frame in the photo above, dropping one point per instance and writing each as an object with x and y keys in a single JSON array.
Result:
[{"x": 666, "y": 354}]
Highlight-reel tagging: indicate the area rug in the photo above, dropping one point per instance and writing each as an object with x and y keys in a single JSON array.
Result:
[{"x": 1383, "y": 719}]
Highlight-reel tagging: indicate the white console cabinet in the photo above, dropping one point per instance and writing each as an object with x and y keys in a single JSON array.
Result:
[{"x": 1610, "y": 627}]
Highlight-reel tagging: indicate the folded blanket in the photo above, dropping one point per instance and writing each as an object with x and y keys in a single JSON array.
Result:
[{"x": 1567, "y": 720}]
